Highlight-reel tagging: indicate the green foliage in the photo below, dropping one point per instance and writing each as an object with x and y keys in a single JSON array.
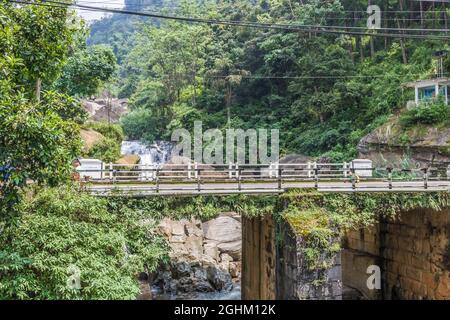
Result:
[
  {"x": 111, "y": 131},
  {"x": 324, "y": 92},
  {"x": 36, "y": 144},
  {"x": 67, "y": 107},
  {"x": 38, "y": 140},
  {"x": 141, "y": 124},
  {"x": 201, "y": 207},
  {"x": 41, "y": 39},
  {"x": 107, "y": 150},
  {"x": 321, "y": 219},
  {"x": 61, "y": 229},
  {"x": 87, "y": 70},
  {"x": 435, "y": 113}
]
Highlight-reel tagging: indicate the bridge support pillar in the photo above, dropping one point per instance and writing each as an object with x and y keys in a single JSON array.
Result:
[{"x": 258, "y": 258}]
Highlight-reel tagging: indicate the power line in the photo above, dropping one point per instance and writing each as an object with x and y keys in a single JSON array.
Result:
[
  {"x": 257, "y": 77},
  {"x": 285, "y": 27}
]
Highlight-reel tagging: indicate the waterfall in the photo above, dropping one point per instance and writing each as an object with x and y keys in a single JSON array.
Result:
[{"x": 151, "y": 156}]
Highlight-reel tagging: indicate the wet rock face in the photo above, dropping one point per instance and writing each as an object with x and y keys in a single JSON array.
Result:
[{"x": 205, "y": 257}]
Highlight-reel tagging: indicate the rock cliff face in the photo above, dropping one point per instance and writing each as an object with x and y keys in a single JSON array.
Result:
[
  {"x": 99, "y": 111},
  {"x": 204, "y": 257},
  {"x": 419, "y": 146}
]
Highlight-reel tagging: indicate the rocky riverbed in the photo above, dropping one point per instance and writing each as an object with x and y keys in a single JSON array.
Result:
[{"x": 205, "y": 259}]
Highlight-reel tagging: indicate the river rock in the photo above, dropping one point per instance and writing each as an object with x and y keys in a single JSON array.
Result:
[
  {"x": 224, "y": 257},
  {"x": 222, "y": 229},
  {"x": 165, "y": 227},
  {"x": 232, "y": 248},
  {"x": 194, "y": 245},
  {"x": 194, "y": 228},
  {"x": 219, "y": 279},
  {"x": 203, "y": 256},
  {"x": 235, "y": 269},
  {"x": 178, "y": 227},
  {"x": 211, "y": 250}
]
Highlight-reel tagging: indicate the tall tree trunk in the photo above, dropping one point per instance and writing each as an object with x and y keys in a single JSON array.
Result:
[
  {"x": 350, "y": 46},
  {"x": 38, "y": 89},
  {"x": 361, "y": 48},
  {"x": 402, "y": 44},
  {"x": 195, "y": 88},
  {"x": 402, "y": 40},
  {"x": 228, "y": 102},
  {"x": 445, "y": 17},
  {"x": 421, "y": 16},
  {"x": 372, "y": 44}
]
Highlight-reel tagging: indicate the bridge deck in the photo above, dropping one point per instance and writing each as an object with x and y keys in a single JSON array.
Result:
[
  {"x": 188, "y": 179},
  {"x": 153, "y": 189}
]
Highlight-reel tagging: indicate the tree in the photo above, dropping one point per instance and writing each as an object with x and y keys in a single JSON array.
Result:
[
  {"x": 87, "y": 70},
  {"x": 38, "y": 139},
  {"x": 75, "y": 246},
  {"x": 42, "y": 38}
]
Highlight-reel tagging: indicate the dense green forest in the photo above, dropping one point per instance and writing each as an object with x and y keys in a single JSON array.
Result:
[{"x": 324, "y": 92}]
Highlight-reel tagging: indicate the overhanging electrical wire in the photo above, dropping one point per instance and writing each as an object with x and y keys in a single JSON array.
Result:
[{"x": 284, "y": 27}]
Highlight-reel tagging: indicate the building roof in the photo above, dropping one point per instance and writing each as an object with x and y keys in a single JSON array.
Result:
[{"x": 427, "y": 83}]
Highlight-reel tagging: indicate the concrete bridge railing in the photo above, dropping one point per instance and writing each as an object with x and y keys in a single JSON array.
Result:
[{"x": 237, "y": 178}]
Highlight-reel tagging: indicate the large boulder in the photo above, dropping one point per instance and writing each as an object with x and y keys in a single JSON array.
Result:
[
  {"x": 222, "y": 229},
  {"x": 233, "y": 248},
  {"x": 295, "y": 158}
]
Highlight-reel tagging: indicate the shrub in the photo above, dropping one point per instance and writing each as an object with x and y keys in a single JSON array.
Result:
[
  {"x": 111, "y": 131},
  {"x": 428, "y": 114},
  {"x": 141, "y": 124},
  {"x": 107, "y": 150},
  {"x": 66, "y": 234}
]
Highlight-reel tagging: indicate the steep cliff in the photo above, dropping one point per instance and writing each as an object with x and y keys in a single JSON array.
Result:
[{"x": 417, "y": 146}]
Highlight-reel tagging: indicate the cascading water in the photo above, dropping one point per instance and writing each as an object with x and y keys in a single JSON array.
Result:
[{"x": 151, "y": 156}]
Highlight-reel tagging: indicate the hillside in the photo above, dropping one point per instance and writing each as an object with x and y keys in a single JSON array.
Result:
[
  {"x": 418, "y": 146},
  {"x": 324, "y": 92}
]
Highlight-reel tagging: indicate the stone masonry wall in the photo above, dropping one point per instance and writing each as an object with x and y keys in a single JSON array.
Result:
[
  {"x": 295, "y": 281},
  {"x": 413, "y": 253}
]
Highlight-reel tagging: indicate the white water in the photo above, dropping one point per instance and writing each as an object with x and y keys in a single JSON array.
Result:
[
  {"x": 151, "y": 156},
  {"x": 157, "y": 153}
]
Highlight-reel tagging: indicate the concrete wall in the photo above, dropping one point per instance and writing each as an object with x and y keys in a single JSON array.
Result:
[
  {"x": 412, "y": 252},
  {"x": 258, "y": 258}
]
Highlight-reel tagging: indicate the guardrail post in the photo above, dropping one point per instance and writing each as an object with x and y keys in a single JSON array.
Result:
[
  {"x": 239, "y": 179},
  {"x": 195, "y": 168},
  {"x": 309, "y": 171},
  {"x": 110, "y": 171},
  {"x": 189, "y": 170},
  {"x": 425, "y": 178},
  {"x": 316, "y": 176},
  {"x": 237, "y": 170},
  {"x": 279, "y": 178},
  {"x": 114, "y": 176},
  {"x": 157, "y": 179},
  {"x": 270, "y": 170},
  {"x": 198, "y": 179},
  {"x": 344, "y": 167},
  {"x": 230, "y": 170},
  {"x": 153, "y": 173},
  {"x": 390, "y": 177},
  {"x": 353, "y": 178}
]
